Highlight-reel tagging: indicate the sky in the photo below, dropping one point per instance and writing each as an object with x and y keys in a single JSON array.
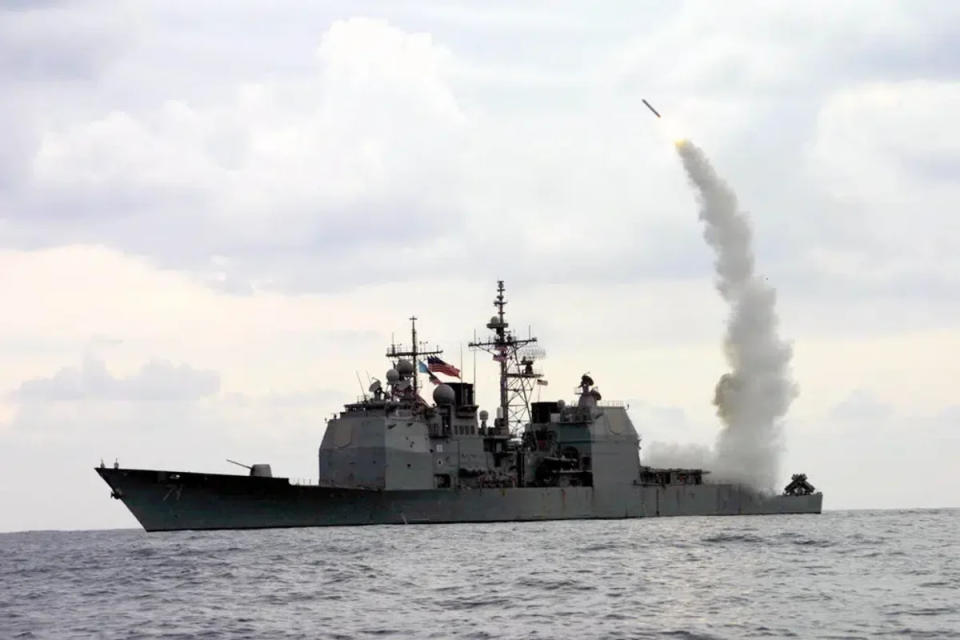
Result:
[{"x": 215, "y": 216}]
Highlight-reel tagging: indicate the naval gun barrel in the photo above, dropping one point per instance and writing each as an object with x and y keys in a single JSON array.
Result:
[{"x": 256, "y": 470}]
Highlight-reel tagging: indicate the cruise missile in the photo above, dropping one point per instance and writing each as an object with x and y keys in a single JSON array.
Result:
[{"x": 649, "y": 106}]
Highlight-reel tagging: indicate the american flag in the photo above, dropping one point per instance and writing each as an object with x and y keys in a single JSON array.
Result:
[{"x": 436, "y": 365}]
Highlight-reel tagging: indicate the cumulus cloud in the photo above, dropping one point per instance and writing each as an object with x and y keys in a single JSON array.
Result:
[
  {"x": 163, "y": 160},
  {"x": 394, "y": 147},
  {"x": 165, "y": 398},
  {"x": 156, "y": 381},
  {"x": 160, "y": 416},
  {"x": 388, "y": 137},
  {"x": 884, "y": 155},
  {"x": 338, "y": 177},
  {"x": 363, "y": 152}
]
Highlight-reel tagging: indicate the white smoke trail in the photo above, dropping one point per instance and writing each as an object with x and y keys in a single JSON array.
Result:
[
  {"x": 758, "y": 391},
  {"x": 681, "y": 455}
]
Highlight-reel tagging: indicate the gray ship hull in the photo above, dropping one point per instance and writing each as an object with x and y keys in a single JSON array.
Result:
[{"x": 171, "y": 500}]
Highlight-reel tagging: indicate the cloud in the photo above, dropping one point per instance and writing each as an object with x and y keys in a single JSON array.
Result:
[
  {"x": 885, "y": 140},
  {"x": 156, "y": 381},
  {"x": 881, "y": 154},
  {"x": 174, "y": 400},
  {"x": 267, "y": 192},
  {"x": 52, "y": 41},
  {"x": 161, "y": 416},
  {"x": 364, "y": 153},
  {"x": 861, "y": 406},
  {"x": 389, "y": 151}
]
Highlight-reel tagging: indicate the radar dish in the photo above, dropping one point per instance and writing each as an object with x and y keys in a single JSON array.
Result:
[{"x": 444, "y": 394}]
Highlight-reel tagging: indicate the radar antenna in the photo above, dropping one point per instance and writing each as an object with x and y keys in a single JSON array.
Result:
[
  {"x": 517, "y": 375},
  {"x": 397, "y": 351}
]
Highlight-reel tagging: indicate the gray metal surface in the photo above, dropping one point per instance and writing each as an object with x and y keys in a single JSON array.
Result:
[{"x": 164, "y": 500}]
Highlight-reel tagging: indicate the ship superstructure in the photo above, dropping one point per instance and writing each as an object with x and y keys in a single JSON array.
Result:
[{"x": 393, "y": 457}]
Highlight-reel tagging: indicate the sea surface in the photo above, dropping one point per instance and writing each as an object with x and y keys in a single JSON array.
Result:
[{"x": 853, "y": 574}]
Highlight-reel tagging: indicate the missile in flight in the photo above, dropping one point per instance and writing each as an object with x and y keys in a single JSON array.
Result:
[{"x": 650, "y": 106}]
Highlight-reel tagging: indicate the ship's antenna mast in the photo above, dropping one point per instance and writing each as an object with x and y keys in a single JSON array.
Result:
[
  {"x": 396, "y": 352},
  {"x": 501, "y": 342},
  {"x": 362, "y": 392},
  {"x": 413, "y": 350},
  {"x": 515, "y": 385}
]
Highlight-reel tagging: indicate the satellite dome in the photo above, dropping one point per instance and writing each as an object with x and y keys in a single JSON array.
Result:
[
  {"x": 484, "y": 415},
  {"x": 494, "y": 320},
  {"x": 392, "y": 376},
  {"x": 561, "y": 404},
  {"x": 444, "y": 394},
  {"x": 405, "y": 367}
]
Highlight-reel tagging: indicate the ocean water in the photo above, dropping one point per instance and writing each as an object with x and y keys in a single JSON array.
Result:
[{"x": 854, "y": 574}]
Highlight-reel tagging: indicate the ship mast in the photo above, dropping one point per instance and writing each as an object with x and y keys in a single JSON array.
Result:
[
  {"x": 501, "y": 343},
  {"x": 416, "y": 350},
  {"x": 413, "y": 341},
  {"x": 517, "y": 375}
]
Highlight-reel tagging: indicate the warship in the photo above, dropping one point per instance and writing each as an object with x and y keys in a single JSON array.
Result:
[{"x": 393, "y": 458}]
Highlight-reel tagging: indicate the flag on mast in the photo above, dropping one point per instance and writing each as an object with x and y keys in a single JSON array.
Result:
[{"x": 436, "y": 365}]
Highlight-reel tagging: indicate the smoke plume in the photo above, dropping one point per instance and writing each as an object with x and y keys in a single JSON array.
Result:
[{"x": 756, "y": 393}]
